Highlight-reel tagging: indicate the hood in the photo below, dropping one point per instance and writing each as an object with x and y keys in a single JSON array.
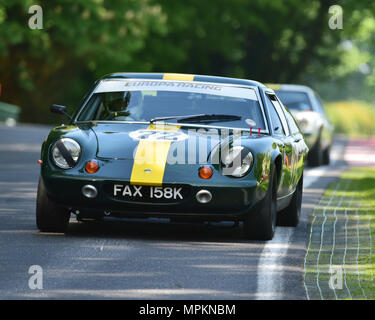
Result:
[
  {"x": 121, "y": 140},
  {"x": 153, "y": 148}
]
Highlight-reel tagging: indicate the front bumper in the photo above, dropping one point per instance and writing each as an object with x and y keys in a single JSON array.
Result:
[{"x": 229, "y": 201}]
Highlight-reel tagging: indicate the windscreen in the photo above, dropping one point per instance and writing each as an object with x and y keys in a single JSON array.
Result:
[
  {"x": 146, "y": 100},
  {"x": 294, "y": 100}
]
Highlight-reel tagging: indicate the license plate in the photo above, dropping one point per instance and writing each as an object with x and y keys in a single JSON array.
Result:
[{"x": 146, "y": 193}]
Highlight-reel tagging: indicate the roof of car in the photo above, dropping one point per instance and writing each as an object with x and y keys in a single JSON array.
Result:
[{"x": 179, "y": 76}]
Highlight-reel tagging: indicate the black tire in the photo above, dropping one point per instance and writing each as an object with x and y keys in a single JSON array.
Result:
[
  {"x": 315, "y": 156},
  {"x": 261, "y": 224},
  {"x": 289, "y": 217},
  {"x": 327, "y": 156},
  {"x": 50, "y": 217}
]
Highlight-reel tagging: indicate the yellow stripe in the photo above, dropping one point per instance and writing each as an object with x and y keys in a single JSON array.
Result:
[
  {"x": 273, "y": 86},
  {"x": 178, "y": 76},
  {"x": 163, "y": 127},
  {"x": 150, "y": 159}
]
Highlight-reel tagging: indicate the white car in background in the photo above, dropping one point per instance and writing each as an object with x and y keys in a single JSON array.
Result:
[{"x": 309, "y": 112}]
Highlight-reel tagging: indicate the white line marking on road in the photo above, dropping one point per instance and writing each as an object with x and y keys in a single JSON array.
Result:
[
  {"x": 269, "y": 282},
  {"x": 20, "y": 147}
]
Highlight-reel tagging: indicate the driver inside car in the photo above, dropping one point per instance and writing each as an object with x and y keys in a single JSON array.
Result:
[{"x": 126, "y": 107}]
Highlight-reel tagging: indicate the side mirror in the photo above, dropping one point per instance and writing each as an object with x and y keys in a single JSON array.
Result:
[{"x": 55, "y": 108}]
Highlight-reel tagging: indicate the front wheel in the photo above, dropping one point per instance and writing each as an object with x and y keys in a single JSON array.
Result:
[
  {"x": 50, "y": 217},
  {"x": 261, "y": 225},
  {"x": 315, "y": 156},
  {"x": 326, "y": 156}
]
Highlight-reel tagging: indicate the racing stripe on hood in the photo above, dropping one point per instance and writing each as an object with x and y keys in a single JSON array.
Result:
[{"x": 150, "y": 158}]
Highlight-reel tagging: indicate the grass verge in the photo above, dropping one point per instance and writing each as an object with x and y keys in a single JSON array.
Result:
[
  {"x": 340, "y": 260},
  {"x": 352, "y": 118}
]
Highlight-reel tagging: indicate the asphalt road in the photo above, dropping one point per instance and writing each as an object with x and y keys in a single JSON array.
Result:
[{"x": 139, "y": 259}]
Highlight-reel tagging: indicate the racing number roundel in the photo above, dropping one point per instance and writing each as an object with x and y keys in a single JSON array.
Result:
[{"x": 158, "y": 135}]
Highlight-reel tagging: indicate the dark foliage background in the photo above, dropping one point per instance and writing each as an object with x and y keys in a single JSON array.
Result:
[{"x": 269, "y": 41}]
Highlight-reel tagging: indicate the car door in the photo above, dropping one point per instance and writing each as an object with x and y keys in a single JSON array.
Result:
[
  {"x": 299, "y": 145},
  {"x": 282, "y": 133}
]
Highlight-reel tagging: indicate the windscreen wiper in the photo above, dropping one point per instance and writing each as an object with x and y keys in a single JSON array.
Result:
[
  {"x": 210, "y": 117},
  {"x": 175, "y": 117},
  {"x": 200, "y": 117}
]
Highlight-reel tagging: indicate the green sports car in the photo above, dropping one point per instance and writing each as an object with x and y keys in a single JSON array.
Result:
[{"x": 174, "y": 146}]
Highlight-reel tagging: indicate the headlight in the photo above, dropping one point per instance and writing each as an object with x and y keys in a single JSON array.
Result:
[
  {"x": 65, "y": 153},
  {"x": 237, "y": 162},
  {"x": 308, "y": 121},
  {"x": 303, "y": 124}
]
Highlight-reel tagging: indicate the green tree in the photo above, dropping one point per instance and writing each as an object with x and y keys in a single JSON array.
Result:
[
  {"x": 351, "y": 77},
  {"x": 270, "y": 41},
  {"x": 80, "y": 41}
]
